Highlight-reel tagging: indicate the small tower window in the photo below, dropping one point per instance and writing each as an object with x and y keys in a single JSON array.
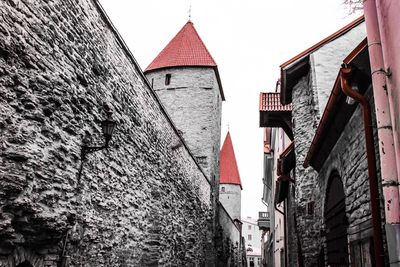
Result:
[
  {"x": 223, "y": 189},
  {"x": 167, "y": 79}
]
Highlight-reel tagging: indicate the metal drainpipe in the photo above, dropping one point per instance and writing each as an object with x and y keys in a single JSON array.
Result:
[
  {"x": 373, "y": 179},
  {"x": 388, "y": 21},
  {"x": 381, "y": 86}
]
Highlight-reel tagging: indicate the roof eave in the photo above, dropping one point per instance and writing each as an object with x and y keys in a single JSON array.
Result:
[
  {"x": 322, "y": 131},
  {"x": 286, "y": 91},
  {"x": 290, "y": 75}
]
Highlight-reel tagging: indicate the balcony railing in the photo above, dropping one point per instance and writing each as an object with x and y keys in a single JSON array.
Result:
[{"x": 264, "y": 221}]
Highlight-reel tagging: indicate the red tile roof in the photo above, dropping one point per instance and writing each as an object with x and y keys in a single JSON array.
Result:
[
  {"x": 229, "y": 172},
  {"x": 185, "y": 49},
  {"x": 272, "y": 102}
]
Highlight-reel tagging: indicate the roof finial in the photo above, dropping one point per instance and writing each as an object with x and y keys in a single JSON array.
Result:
[{"x": 190, "y": 11}]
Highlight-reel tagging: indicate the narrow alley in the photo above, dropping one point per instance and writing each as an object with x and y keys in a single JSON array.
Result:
[{"x": 203, "y": 133}]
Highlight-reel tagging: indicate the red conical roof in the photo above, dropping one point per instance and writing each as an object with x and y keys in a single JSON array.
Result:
[
  {"x": 185, "y": 49},
  {"x": 229, "y": 172}
]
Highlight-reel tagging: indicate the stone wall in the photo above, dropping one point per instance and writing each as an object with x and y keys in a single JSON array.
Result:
[
  {"x": 326, "y": 61},
  {"x": 143, "y": 201},
  {"x": 229, "y": 251},
  {"x": 348, "y": 159},
  {"x": 305, "y": 124},
  {"x": 230, "y": 197},
  {"x": 309, "y": 100},
  {"x": 192, "y": 99}
]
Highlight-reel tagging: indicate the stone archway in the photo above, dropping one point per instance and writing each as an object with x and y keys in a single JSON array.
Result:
[
  {"x": 336, "y": 223},
  {"x": 22, "y": 257}
]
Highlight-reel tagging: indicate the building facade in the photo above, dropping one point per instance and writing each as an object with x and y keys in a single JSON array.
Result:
[
  {"x": 272, "y": 222},
  {"x": 252, "y": 236},
  {"x": 334, "y": 203}
]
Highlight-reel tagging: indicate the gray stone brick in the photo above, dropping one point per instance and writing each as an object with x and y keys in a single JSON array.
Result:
[{"x": 60, "y": 63}]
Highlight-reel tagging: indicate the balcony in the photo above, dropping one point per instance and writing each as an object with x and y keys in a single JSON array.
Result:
[
  {"x": 275, "y": 115},
  {"x": 264, "y": 221}
]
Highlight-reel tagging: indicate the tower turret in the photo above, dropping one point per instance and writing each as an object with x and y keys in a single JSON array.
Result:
[
  {"x": 230, "y": 187},
  {"x": 185, "y": 77}
]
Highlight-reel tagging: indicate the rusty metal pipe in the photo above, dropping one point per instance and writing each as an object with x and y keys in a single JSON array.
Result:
[{"x": 372, "y": 173}]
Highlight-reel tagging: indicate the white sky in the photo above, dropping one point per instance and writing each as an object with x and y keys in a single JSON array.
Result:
[{"x": 248, "y": 39}]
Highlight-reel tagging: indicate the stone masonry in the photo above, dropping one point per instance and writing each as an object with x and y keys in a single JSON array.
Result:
[
  {"x": 230, "y": 196},
  {"x": 308, "y": 226},
  {"x": 193, "y": 101},
  {"x": 348, "y": 159},
  {"x": 144, "y": 201},
  {"x": 310, "y": 95}
]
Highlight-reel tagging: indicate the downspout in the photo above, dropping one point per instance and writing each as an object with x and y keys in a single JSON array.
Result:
[
  {"x": 284, "y": 229},
  {"x": 372, "y": 173},
  {"x": 387, "y": 152},
  {"x": 388, "y": 22}
]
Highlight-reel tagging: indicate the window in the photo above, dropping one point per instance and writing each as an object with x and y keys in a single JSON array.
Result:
[
  {"x": 249, "y": 227},
  {"x": 310, "y": 208},
  {"x": 249, "y": 237},
  {"x": 223, "y": 189},
  {"x": 167, "y": 79},
  {"x": 202, "y": 160}
]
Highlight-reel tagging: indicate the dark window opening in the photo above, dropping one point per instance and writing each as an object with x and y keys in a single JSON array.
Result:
[
  {"x": 202, "y": 160},
  {"x": 167, "y": 79},
  {"x": 24, "y": 264},
  {"x": 310, "y": 208}
]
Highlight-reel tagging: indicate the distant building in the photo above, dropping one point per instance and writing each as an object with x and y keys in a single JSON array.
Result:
[{"x": 252, "y": 238}]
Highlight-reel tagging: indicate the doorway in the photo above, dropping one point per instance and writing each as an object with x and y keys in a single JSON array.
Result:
[{"x": 336, "y": 223}]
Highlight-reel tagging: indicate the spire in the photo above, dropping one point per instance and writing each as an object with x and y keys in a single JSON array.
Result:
[
  {"x": 185, "y": 49},
  {"x": 229, "y": 171}
]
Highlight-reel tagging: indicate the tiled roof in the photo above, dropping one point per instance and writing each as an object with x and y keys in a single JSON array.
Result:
[
  {"x": 271, "y": 102},
  {"x": 185, "y": 49},
  {"x": 229, "y": 172}
]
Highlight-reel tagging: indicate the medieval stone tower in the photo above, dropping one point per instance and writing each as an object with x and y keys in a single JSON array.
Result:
[
  {"x": 230, "y": 188},
  {"x": 185, "y": 77}
]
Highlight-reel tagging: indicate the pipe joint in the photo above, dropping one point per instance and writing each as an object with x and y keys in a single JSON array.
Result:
[
  {"x": 390, "y": 183},
  {"x": 387, "y": 73}
]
